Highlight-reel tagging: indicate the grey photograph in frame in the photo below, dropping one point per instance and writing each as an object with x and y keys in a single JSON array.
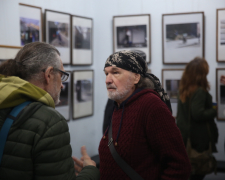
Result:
[
  {"x": 8, "y": 52},
  {"x": 182, "y": 37},
  {"x": 132, "y": 32},
  {"x": 58, "y": 32},
  {"x": 170, "y": 82},
  {"x": 220, "y": 94},
  {"x": 31, "y": 25},
  {"x": 220, "y": 35},
  {"x": 65, "y": 98},
  {"x": 83, "y": 93},
  {"x": 82, "y": 40}
]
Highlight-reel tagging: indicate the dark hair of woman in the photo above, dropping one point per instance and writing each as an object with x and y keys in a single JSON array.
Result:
[{"x": 194, "y": 76}]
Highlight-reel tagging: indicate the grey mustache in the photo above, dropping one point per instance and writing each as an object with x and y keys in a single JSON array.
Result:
[{"x": 110, "y": 86}]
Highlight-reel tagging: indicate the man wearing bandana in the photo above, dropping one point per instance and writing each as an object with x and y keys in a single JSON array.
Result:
[{"x": 142, "y": 128}]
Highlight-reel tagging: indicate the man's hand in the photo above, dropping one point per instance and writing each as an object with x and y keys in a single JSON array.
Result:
[{"x": 85, "y": 160}]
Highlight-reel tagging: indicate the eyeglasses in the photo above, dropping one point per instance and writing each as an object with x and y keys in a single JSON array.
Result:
[{"x": 64, "y": 76}]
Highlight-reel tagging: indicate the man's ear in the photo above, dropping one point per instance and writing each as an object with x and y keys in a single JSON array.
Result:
[
  {"x": 48, "y": 74},
  {"x": 137, "y": 78}
]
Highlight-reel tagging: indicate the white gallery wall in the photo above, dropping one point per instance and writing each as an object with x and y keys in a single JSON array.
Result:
[{"x": 88, "y": 131}]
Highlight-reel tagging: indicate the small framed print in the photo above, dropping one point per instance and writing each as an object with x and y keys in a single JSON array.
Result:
[
  {"x": 220, "y": 94},
  {"x": 30, "y": 24},
  {"x": 170, "y": 82},
  {"x": 132, "y": 32},
  {"x": 65, "y": 98},
  {"x": 183, "y": 37},
  {"x": 57, "y": 33},
  {"x": 82, "y": 40},
  {"x": 82, "y": 91},
  {"x": 8, "y": 52},
  {"x": 220, "y": 35}
]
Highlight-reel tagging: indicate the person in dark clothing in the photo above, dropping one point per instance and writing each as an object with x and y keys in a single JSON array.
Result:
[
  {"x": 195, "y": 115},
  {"x": 38, "y": 144},
  {"x": 144, "y": 132},
  {"x": 107, "y": 114}
]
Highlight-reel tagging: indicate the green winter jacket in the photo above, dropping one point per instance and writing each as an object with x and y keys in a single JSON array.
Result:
[
  {"x": 201, "y": 112},
  {"x": 38, "y": 144}
]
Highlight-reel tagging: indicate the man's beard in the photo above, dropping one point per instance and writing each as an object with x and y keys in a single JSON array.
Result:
[
  {"x": 55, "y": 95},
  {"x": 119, "y": 95}
]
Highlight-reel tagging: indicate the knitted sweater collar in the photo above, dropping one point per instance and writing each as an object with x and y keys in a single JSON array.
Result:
[{"x": 15, "y": 91}]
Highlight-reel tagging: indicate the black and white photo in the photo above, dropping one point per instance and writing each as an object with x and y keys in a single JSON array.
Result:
[
  {"x": 57, "y": 32},
  {"x": 220, "y": 93},
  {"x": 64, "y": 105},
  {"x": 132, "y": 32},
  {"x": 170, "y": 82},
  {"x": 183, "y": 37},
  {"x": 82, "y": 40},
  {"x": 220, "y": 35},
  {"x": 82, "y": 93}
]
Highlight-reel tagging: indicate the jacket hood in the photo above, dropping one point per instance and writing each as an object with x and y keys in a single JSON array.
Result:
[{"x": 14, "y": 91}]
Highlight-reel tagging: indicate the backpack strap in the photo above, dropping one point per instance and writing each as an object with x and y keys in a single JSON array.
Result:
[{"x": 8, "y": 123}]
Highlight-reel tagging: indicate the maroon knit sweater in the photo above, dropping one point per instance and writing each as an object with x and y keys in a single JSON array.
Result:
[{"x": 149, "y": 141}]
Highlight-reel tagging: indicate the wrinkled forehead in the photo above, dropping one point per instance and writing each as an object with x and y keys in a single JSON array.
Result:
[{"x": 113, "y": 68}]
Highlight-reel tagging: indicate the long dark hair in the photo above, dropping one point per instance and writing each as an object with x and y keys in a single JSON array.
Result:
[{"x": 194, "y": 76}]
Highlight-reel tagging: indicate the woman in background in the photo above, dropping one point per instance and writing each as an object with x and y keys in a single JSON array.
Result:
[{"x": 195, "y": 103}]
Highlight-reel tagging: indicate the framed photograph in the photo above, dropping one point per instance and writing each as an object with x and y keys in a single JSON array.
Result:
[
  {"x": 8, "y": 52},
  {"x": 132, "y": 32},
  {"x": 57, "y": 33},
  {"x": 30, "y": 24},
  {"x": 170, "y": 82},
  {"x": 82, "y": 40},
  {"x": 65, "y": 98},
  {"x": 220, "y": 94},
  {"x": 183, "y": 37},
  {"x": 83, "y": 93},
  {"x": 220, "y": 35}
]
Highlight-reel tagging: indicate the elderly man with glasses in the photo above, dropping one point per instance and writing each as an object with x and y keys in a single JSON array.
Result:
[{"x": 38, "y": 142}]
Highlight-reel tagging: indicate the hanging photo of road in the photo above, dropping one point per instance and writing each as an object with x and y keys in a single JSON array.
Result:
[
  {"x": 58, "y": 34},
  {"x": 183, "y": 35}
]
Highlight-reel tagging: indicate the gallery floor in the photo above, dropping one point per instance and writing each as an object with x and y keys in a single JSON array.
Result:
[{"x": 218, "y": 176}]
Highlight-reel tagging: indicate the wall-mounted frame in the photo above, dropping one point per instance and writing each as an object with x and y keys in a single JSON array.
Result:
[
  {"x": 8, "y": 52},
  {"x": 57, "y": 33},
  {"x": 82, "y": 40},
  {"x": 220, "y": 94},
  {"x": 182, "y": 37},
  {"x": 220, "y": 35},
  {"x": 65, "y": 98},
  {"x": 30, "y": 24},
  {"x": 83, "y": 92},
  {"x": 132, "y": 32},
  {"x": 170, "y": 82}
]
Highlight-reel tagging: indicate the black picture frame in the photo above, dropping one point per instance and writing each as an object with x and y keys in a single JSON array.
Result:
[
  {"x": 64, "y": 106},
  {"x": 82, "y": 40},
  {"x": 220, "y": 94},
  {"x": 58, "y": 33},
  {"x": 182, "y": 37},
  {"x": 170, "y": 82},
  {"x": 132, "y": 32},
  {"x": 31, "y": 24},
  {"x": 83, "y": 93}
]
